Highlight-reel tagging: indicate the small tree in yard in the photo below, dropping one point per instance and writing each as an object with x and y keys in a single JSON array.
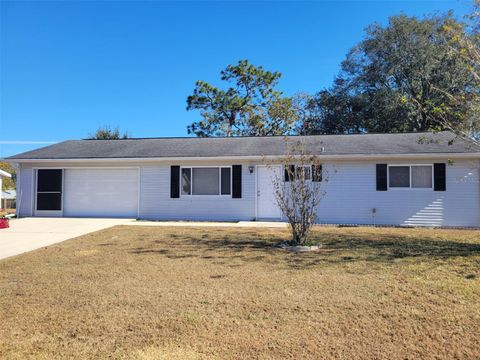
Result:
[{"x": 298, "y": 189}]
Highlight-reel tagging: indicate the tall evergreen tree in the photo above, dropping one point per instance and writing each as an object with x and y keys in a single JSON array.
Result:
[{"x": 250, "y": 105}]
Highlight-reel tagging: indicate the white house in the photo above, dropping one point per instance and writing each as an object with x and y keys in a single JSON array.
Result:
[
  {"x": 2, "y": 175},
  {"x": 391, "y": 179}
]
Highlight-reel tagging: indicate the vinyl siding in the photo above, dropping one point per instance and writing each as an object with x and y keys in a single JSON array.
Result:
[
  {"x": 351, "y": 195},
  {"x": 155, "y": 201},
  {"x": 24, "y": 190}
]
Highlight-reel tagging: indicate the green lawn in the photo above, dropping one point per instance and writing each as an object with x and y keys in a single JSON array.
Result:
[{"x": 188, "y": 293}]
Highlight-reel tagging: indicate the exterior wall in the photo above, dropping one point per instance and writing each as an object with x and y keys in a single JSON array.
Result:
[
  {"x": 351, "y": 195},
  {"x": 155, "y": 201},
  {"x": 25, "y": 181},
  {"x": 1, "y": 204},
  {"x": 25, "y": 190}
]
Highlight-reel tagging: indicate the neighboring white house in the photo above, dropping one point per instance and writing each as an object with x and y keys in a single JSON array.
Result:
[
  {"x": 8, "y": 198},
  {"x": 391, "y": 179},
  {"x": 2, "y": 175}
]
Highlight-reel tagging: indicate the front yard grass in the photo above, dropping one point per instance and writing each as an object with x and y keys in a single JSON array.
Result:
[{"x": 188, "y": 293}]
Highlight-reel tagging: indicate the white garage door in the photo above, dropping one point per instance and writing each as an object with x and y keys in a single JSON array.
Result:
[{"x": 101, "y": 192}]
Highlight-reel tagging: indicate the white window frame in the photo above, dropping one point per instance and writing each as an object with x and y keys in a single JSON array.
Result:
[
  {"x": 295, "y": 172},
  {"x": 35, "y": 193},
  {"x": 309, "y": 167},
  {"x": 217, "y": 196},
  {"x": 410, "y": 177}
]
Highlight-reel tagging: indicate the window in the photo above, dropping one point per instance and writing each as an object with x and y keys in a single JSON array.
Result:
[
  {"x": 226, "y": 181},
  {"x": 399, "y": 176},
  {"x": 186, "y": 181},
  {"x": 303, "y": 172},
  {"x": 49, "y": 189},
  {"x": 410, "y": 176},
  {"x": 206, "y": 181},
  {"x": 422, "y": 177},
  {"x": 298, "y": 171}
]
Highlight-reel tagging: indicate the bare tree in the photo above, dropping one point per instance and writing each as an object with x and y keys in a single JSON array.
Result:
[
  {"x": 298, "y": 189},
  {"x": 465, "y": 44}
]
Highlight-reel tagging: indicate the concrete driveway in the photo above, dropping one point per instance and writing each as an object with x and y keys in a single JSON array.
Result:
[{"x": 32, "y": 233}]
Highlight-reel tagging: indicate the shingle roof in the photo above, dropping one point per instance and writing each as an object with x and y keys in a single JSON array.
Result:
[{"x": 364, "y": 144}]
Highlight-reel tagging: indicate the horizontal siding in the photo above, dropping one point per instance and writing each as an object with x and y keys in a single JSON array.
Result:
[
  {"x": 155, "y": 201},
  {"x": 351, "y": 195},
  {"x": 24, "y": 190}
]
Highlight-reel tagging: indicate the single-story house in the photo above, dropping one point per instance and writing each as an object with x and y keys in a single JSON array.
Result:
[
  {"x": 2, "y": 175},
  {"x": 390, "y": 179}
]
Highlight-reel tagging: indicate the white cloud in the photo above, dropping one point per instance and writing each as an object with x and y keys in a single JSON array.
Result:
[{"x": 20, "y": 142}]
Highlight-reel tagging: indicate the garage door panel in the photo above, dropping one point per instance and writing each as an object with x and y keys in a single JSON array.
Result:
[{"x": 101, "y": 192}]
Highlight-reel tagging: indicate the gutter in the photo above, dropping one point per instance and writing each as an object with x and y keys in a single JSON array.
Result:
[
  {"x": 254, "y": 158},
  {"x": 5, "y": 174}
]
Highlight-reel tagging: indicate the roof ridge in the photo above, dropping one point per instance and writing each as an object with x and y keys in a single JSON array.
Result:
[{"x": 379, "y": 144}]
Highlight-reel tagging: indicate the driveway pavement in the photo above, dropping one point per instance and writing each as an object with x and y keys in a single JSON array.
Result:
[{"x": 28, "y": 234}]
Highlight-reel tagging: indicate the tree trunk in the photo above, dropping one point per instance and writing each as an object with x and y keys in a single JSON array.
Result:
[{"x": 231, "y": 122}]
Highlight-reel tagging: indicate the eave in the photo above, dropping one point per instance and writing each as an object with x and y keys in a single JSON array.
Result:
[{"x": 340, "y": 157}]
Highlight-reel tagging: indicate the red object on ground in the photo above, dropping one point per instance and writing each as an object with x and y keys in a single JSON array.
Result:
[{"x": 4, "y": 223}]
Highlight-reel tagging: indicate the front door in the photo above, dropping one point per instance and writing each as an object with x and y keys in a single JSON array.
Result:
[{"x": 267, "y": 208}]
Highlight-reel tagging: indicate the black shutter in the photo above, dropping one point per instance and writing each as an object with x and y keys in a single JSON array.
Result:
[
  {"x": 317, "y": 172},
  {"x": 175, "y": 181},
  {"x": 237, "y": 181},
  {"x": 439, "y": 177},
  {"x": 292, "y": 172},
  {"x": 381, "y": 177}
]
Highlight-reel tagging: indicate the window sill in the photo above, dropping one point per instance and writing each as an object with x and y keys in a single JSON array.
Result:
[
  {"x": 204, "y": 197},
  {"x": 414, "y": 189}
]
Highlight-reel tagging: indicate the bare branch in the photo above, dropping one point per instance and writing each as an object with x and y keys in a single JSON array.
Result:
[{"x": 299, "y": 188}]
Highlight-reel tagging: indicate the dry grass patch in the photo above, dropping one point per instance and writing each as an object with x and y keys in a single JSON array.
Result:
[{"x": 173, "y": 293}]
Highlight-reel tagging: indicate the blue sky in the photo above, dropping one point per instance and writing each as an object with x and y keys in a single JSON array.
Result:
[{"x": 69, "y": 67}]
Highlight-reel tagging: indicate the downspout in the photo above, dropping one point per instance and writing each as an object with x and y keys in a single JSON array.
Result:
[{"x": 18, "y": 200}]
